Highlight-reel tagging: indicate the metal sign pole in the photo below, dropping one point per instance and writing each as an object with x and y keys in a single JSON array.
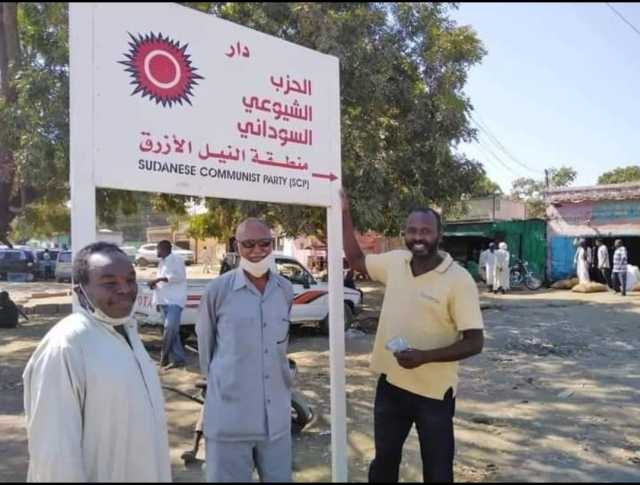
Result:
[
  {"x": 339, "y": 452},
  {"x": 83, "y": 190}
]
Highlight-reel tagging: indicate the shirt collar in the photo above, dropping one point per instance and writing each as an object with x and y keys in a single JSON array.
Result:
[{"x": 446, "y": 263}]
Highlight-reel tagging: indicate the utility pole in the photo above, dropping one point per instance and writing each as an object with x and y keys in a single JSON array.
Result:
[{"x": 546, "y": 178}]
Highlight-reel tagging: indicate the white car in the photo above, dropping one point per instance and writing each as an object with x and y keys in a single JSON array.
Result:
[
  {"x": 147, "y": 255},
  {"x": 64, "y": 266},
  {"x": 310, "y": 305}
]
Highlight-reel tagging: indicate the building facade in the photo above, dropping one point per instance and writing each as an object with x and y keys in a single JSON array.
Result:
[{"x": 606, "y": 212}]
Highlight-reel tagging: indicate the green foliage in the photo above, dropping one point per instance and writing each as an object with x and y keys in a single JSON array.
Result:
[
  {"x": 531, "y": 191},
  {"x": 403, "y": 70},
  {"x": 40, "y": 220},
  {"x": 35, "y": 128},
  {"x": 485, "y": 186},
  {"x": 620, "y": 175}
]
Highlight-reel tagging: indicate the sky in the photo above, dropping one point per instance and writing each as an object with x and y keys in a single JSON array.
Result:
[{"x": 560, "y": 85}]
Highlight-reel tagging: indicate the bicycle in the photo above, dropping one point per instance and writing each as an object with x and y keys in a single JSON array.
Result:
[{"x": 520, "y": 274}]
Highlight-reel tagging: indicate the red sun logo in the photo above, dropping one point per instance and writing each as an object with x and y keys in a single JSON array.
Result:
[{"x": 160, "y": 69}]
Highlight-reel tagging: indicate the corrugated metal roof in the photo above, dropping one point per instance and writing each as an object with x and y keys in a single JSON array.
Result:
[{"x": 627, "y": 191}]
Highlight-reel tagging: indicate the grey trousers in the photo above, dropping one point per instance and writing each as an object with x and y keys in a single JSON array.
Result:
[{"x": 229, "y": 461}]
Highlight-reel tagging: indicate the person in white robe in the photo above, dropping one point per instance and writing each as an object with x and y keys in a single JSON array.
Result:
[
  {"x": 92, "y": 397},
  {"x": 501, "y": 274},
  {"x": 581, "y": 262},
  {"x": 490, "y": 265}
]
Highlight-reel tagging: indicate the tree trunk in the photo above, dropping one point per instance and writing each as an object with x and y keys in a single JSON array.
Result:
[{"x": 9, "y": 57}]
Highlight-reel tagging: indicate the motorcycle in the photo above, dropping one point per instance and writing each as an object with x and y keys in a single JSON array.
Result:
[
  {"x": 301, "y": 411},
  {"x": 520, "y": 273}
]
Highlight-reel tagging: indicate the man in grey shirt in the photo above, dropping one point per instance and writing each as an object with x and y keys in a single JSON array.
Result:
[{"x": 243, "y": 332}]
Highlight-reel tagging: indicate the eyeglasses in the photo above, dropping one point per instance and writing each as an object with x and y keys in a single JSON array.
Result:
[{"x": 251, "y": 243}]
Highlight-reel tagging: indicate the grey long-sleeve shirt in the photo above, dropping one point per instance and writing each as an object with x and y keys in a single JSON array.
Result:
[{"x": 242, "y": 342}]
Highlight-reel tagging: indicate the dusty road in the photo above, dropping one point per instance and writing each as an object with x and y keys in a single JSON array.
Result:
[{"x": 555, "y": 396}]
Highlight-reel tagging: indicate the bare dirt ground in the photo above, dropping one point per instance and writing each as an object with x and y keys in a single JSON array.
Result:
[{"x": 555, "y": 396}]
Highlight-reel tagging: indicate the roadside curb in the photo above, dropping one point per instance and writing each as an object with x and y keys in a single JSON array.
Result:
[
  {"x": 45, "y": 294},
  {"x": 48, "y": 309}
]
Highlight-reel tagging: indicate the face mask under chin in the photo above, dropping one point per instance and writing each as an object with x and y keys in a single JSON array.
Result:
[
  {"x": 102, "y": 316},
  {"x": 260, "y": 268}
]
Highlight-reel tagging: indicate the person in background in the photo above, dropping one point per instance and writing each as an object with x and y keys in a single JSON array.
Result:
[
  {"x": 501, "y": 281},
  {"x": 46, "y": 258},
  {"x": 490, "y": 265},
  {"x": 604, "y": 265},
  {"x": 581, "y": 262},
  {"x": 620, "y": 263},
  {"x": 207, "y": 261},
  {"x": 9, "y": 311},
  {"x": 170, "y": 294}
]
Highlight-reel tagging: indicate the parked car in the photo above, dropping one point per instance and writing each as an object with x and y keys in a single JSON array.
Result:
[
  {"x": 131, "y": 252},
  {"x": 17, "y": 261},
  {"x": 310, "y": 304},
  {"x": 148, "y": 255},
  {"x": 64, "y": 266}
]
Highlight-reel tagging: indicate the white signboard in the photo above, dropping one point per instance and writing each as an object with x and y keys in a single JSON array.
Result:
[
  {"x": 188, "y": 103},
  {"x": 167, "y": 99}
]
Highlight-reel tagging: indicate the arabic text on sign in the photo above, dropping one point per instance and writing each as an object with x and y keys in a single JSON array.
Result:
[
  {"x": 238, "y": 50},
  {"x": 281, "y": 111},
  {"x": 289, "y": 85},
  {"x": 262, "y": 129}
]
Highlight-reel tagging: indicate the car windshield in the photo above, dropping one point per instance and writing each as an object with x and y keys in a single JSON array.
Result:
[{"x": 293, "y": 271}]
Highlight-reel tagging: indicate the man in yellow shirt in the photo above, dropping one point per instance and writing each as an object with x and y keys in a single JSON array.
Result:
[{"x": 432, "y": 304}]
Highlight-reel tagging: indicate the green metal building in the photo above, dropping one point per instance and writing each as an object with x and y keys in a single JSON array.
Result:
[{"x": 527, "y": 240}]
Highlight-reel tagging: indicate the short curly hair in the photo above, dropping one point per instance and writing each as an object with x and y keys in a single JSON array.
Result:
[
  {"x": 428, "y": 210},
  {"x": 81, "y": 261}
]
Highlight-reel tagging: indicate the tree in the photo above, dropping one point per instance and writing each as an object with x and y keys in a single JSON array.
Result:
[
  {"x": 620, "y": 175},
  {"x": 485, "y": 186},
  {"x": 9, "y": 65},
  {"x": 34, "y": 123},
  {"x": 403, "y": 70},
  {"x": 531, "y": 191}
]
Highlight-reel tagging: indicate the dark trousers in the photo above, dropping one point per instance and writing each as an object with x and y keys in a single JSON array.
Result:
[
  {"x": 395, "y": 411},
  {"x": 620, "y": 282},
  {"x": 604, "y": 273}
]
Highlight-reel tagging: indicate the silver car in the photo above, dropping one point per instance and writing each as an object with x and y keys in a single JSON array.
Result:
[
  {"x": 64, "y": 266},
  {"x": 148, "y": 255}
]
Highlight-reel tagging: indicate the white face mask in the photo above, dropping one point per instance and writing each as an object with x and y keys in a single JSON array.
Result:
[
  {"x": 260, "y": 268},
  {"x": 102, "y": 316}
]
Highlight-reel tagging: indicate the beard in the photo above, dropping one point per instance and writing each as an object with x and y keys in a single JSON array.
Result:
[{"x": 422, "y": 248}]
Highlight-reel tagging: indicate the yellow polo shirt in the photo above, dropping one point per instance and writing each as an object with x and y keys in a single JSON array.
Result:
[{"x": 430, "y": 311}]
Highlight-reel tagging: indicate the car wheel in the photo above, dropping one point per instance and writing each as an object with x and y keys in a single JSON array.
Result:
[{"x": 348, "y": 320}]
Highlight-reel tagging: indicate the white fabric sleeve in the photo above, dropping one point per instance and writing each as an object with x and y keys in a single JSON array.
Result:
[
  {"x": 175, "y": 271},
  {"x": 54, "y": 387}
]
